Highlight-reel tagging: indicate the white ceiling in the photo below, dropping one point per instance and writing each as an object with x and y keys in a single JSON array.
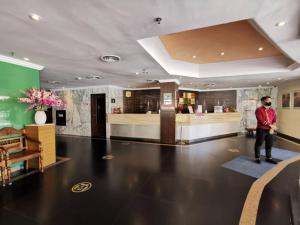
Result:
[{"x": 71, "y": 36}]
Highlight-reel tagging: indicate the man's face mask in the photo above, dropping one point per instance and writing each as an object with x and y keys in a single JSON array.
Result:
[{"x": 268, "y": 103}]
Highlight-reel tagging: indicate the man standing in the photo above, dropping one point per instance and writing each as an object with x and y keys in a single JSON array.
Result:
[{"x": 266, "y": 124}]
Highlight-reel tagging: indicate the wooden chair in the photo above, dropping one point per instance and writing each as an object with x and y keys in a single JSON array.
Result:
[
  {"x": 2, "y": 165},
  {"x": 14, "y": 146}
]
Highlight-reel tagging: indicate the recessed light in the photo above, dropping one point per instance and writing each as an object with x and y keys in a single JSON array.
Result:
[
  {"x": 259, "y": 85},
  {"x": 78, "y": 78},
  {"x": 279, "y": 78},
  {"x": 194, "y": 57},
  {"x": 137, "y": 73},
  {"x": 268, "y": 83},
  {"x": 26, "y": 59},
  {"x": 260, "y": 48},
  {"x": 222, "y": 53},
  {"x": 280, "y": 24},
  {"x": 34, "y": 17}
]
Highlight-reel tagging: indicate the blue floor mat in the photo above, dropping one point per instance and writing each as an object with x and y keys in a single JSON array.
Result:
[
  {"x": 246, "y": 165},
  {"x": 281, "y": 154}
]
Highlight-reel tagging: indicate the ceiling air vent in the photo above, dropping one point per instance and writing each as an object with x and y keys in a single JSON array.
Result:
[
  {"x": 94, "y": 77},
  {"x": 110, "y": 58}
]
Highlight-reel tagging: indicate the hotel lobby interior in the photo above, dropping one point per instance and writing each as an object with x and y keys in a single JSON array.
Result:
[{"x": 147, "y": 112}]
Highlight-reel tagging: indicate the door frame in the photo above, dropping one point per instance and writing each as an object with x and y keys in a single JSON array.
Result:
[{"x": 92, "y": 96}]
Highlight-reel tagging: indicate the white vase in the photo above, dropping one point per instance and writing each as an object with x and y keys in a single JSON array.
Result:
[{"x": 40, "y": 117}]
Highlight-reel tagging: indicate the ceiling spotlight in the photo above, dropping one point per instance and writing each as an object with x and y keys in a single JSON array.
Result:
[
  {"x": 78, "y": 78},
  {"x": 222, "y": 53},
  {"x": 194, "y": 57},
  {"x": 34, "y": 17},
  {"x": 260, "y": 48},
  {"x": 158, "y": 20},
  {"x": 280, "y": 24},
  {"x": 26, "y": 59},
  {"x": 137, "y": 73}
]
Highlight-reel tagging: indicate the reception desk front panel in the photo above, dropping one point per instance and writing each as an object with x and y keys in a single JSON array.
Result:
[{"x": 189, "y": 127}]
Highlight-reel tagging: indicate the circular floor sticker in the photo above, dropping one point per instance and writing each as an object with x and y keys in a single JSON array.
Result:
[
  {"x": 81, "y": 187},
  {"x": 108, "y": 157}
]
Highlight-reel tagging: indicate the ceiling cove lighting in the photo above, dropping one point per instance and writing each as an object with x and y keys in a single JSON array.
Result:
[
  {"x": 34, "y": 17},
  {"x": 20, "y": 62},
  {"x": 280, "y": 23}
]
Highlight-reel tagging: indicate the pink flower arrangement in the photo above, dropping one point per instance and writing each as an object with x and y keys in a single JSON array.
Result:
[{"x": 41, "y": 100}]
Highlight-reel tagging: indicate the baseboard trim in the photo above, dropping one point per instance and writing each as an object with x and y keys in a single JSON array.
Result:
[
  {"x": 200, "y": 140},
  {"x": 290, "y": 138},
  {"x": 135, "y": 139}
]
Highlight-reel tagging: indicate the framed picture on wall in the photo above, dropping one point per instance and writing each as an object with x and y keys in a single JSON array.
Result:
[
  {"x": 286, "y": 100},
  {"x": 296, "y": 99}
]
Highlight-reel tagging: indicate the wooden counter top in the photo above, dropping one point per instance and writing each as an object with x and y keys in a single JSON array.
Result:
[
  {"x": 181, "y": 119},
  {"x": 192, "y": 119},
  {"x": 136, "y": 119}
]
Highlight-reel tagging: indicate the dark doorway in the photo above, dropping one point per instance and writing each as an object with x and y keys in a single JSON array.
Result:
[{"x": 98, "y": 115}]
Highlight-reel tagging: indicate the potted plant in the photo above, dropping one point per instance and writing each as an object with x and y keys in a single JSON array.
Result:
[{"x": 40, "y": 100}]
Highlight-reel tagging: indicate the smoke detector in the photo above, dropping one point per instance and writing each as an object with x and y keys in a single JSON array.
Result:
[{"x": 110, "y": 58}]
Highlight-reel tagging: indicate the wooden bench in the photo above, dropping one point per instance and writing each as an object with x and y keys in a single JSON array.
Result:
[{"x": 14, "y": 148}]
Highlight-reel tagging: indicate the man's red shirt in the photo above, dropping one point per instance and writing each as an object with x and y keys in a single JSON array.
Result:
[{"x": 265, "y": 117}]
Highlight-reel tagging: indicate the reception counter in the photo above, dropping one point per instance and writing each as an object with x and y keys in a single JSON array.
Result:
[{"x": 189, "y": 127}]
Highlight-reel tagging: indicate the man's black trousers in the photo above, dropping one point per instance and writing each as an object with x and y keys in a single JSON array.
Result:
[{"x": 261, "y": 136}]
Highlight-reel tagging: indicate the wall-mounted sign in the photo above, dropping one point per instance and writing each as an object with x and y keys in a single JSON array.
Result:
[
  {"x": 167, "y": 99},
  {"x": 167, "y": 107},
  {"x": 61, "y": 117},
  {"x": 128, "y": 94}
]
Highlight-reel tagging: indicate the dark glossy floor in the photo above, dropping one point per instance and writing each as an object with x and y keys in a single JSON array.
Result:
[{"x": 144, "y": 184}]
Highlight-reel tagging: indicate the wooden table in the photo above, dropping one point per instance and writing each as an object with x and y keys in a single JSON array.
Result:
[{"x": 46, "y": 135}]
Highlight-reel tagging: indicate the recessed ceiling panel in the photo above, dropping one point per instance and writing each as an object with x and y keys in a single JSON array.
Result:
[{"x": 226, "y": 42}]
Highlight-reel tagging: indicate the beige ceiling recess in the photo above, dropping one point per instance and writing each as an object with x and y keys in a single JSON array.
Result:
[{"x": 225, "y": 42}]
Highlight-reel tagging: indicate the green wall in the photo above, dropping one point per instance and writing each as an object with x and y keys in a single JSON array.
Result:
[{"x": 13, "y": 80}]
